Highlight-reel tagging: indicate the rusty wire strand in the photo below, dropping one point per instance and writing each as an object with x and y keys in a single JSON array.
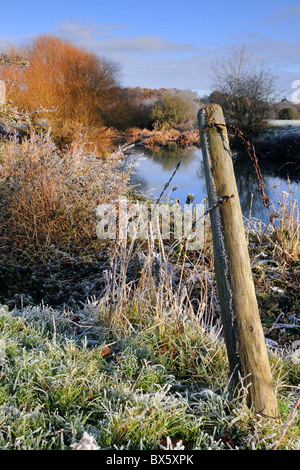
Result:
[
  {"x": 252, "y": 154},
  {"x": 253, "y": 157},
  {"x": 265, "y": 199},
  {"x": 287, "y": 423},
  {"x": 250, "y": 148}
]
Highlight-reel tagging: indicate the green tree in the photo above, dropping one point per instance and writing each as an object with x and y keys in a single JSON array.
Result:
[
  {"x": 174, "y": 108},
  {"x": 288, "y": 113}
]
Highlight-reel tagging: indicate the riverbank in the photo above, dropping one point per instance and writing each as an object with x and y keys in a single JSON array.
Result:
[
  {"x": 155, "y": 139},
  {"x": 122, "y": 339},
  {"x": 279, "y": 143}
]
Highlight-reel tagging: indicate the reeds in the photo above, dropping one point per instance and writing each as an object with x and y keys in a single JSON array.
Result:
[{"x": 289, "y": 223}]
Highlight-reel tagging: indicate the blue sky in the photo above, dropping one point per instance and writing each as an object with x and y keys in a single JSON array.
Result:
[{"x": 166, "y": 43}]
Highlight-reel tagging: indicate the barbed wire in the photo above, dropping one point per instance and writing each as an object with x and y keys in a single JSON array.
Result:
[
  {"x": 250, "y": 148},
  {"x": 177, "y": 166}
]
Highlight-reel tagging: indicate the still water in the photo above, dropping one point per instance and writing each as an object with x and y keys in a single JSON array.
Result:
[{"x": 154, "y": 169}]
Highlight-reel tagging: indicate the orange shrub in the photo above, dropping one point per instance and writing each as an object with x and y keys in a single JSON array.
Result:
[{"x": 78, "y": 84}]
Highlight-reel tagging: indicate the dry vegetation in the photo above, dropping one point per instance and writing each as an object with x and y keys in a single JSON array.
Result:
[
  {"x": 50, "y": 199},
  {"x": 154, "y": 139}
]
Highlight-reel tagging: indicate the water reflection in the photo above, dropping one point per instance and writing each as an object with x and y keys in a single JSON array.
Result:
[
  {"x": 156, "y": 167},
  {"x": 169, "y": 155}
]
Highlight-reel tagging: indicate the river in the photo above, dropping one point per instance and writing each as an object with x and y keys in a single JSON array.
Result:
[{"x": 154, "y": 168}]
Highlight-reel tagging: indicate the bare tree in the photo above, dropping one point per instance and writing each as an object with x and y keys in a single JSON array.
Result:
[{"x": 245, "y": 88}]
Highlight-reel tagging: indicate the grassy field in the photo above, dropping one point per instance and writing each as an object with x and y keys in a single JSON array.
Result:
[{"x": 123, "y": 340}]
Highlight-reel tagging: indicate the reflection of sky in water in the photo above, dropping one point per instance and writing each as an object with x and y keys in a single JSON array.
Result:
[
  {"x": 153, "y": 176},
  {"x": 156, "y": 168}
]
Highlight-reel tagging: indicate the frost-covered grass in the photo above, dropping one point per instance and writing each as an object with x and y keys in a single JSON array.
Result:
[
  {"x": 54, "y": 388},
  {"x": 279, "y": 143},
  {"x": 284, "y": 122},
  {"x": 138, "y": 368}
]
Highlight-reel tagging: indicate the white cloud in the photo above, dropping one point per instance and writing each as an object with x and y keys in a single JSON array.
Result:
[
  {"x": 79, "y": 32},
  {"x": 143, "y": 44},
  {"x": 289, "y": 12},
  {"x": 97, "y": 36},
  {"x": 152, "y": 61},
  {"x": 5, "y": 42}
]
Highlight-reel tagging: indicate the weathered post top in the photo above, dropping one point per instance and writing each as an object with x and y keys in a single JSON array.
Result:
[{"x": 2, "y": 92}]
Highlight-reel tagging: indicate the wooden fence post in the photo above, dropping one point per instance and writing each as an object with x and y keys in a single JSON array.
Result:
[{"x": 244, "y": 337}]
